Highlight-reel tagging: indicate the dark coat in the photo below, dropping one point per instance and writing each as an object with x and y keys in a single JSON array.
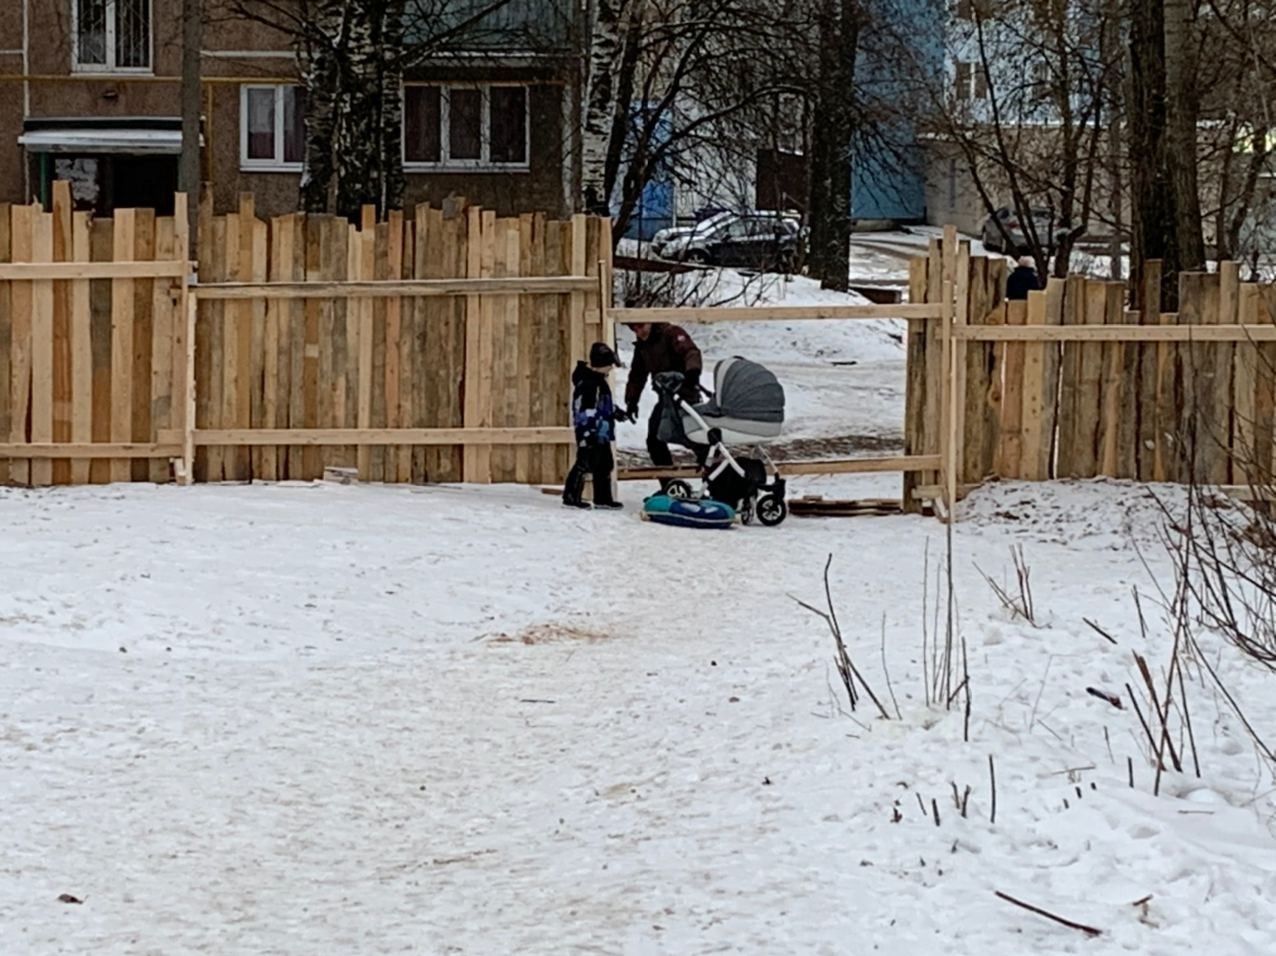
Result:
[
  {"x": 667, "y": 349},
  {"x": 594, "y": 412},
  {"x": 1022, "y": 281}
]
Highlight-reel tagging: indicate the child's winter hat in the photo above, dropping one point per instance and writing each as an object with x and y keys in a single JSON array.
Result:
[{"x": 601, "y": 355}]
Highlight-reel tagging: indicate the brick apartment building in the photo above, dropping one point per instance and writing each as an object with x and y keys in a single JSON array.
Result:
[{"x": 90, "y": 92}]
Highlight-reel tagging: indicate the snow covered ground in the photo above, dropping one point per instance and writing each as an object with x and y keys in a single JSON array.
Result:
[{"x": 318, "y": 719}]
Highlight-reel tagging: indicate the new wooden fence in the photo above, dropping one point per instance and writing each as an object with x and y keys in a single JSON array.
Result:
[
  {"x": 1072, "y": 384},
  {"x": 92, "y": 344},
  {"x": 426, "y": 348}
]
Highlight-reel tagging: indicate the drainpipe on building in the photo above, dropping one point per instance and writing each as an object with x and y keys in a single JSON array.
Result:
[{"x": 26, "y": 89}]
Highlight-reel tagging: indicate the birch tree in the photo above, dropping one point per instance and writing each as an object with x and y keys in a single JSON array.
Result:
[{"x": 352, "y": 56}]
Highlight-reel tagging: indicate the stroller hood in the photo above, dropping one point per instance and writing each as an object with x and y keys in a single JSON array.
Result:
[{"x": 746, "y": 391}]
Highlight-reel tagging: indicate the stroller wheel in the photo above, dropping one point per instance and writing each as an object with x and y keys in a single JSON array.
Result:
[
  {"x": 747, "y": 511},
  {"x": 772, "y": 510},
  {"x": 679, "y": 489}
]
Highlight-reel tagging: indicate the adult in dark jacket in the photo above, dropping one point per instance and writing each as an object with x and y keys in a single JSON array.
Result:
[
  {"x": 661, "y": 348},
  {"x": 1023, "y": 280},
  {"x": 594, "y": 417}
]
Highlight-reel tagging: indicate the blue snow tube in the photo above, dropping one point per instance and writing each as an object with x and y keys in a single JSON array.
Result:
[{"x": 688, "y": 512}]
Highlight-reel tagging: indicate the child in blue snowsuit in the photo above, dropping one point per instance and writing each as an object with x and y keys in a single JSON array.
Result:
[{"x": 594, "y": 416}]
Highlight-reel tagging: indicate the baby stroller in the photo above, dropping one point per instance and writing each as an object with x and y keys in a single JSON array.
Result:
[{"x": 746, "y": 406}]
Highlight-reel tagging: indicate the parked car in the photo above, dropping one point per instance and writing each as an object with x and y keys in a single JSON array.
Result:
[
  {"x": 759, "y": 240},
  {"x": 1047, "y": 228}
]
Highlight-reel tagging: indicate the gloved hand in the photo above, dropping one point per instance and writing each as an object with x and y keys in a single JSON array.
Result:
[
  {"x": 692, "y": 380},
  {"x": 631, "y": 411}
]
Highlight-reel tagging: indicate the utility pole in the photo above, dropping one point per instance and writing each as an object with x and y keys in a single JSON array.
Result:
[{"x": 188, "y": 171}]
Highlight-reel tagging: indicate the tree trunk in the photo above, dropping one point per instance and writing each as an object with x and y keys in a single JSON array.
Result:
[
  {"x": 1183, "y": 105},
  {"x": 390, "y": 135},
  {"x": 1153, "y": 201},
  {"x": 604, "y": 50},
  {"x": 321, "y": 58},
  {"x": 622, "y": 107},
  {"x": 834, "y": 118},
  {"x": 356, "y": 154}
]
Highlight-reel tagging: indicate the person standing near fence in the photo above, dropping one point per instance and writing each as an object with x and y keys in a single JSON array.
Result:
[
  {"x": 1023, "y": 280},
  {"x": 661, "y": 348},
  {"x": 594, "y": 418}
]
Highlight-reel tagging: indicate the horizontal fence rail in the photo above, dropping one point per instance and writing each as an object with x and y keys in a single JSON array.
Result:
[
  {"x": 397, "y": 289},
  {"x": 775, "y": 313}
]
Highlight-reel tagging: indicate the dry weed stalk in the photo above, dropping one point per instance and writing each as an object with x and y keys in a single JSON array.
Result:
[
  {"x": 846, "y": 668},
  {"x": 1019, "y": 604}
]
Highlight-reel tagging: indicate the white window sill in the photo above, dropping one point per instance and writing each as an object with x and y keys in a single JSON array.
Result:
[
  {"x": 108, "y": 72},
  {"x": 466, "y": 168},
  {"x": 264, "y": 167}
]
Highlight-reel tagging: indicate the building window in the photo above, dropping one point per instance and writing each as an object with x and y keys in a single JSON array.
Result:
[
  {"x": 272, "y": 128},
  {"x": 971, "y": 83},
  {"x": 465, "y": 126},
  {"x": 112, "y": 35}
]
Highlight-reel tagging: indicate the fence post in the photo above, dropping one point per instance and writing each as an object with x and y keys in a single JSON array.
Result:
[
  {"x": 948, "y": 413},
  {"x": 187, "y": 313}
]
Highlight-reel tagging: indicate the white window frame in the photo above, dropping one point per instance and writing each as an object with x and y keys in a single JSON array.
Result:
[
  {"x": 275, "y": 164},
  {"x": 446, "y": 163},
  {"x": 109, "y": 66}
]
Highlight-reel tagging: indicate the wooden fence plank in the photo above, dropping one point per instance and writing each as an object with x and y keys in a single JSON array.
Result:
[
  {"x": 1245, "y": 391},
  {"x": 22, "y": 219},
  {"x": 366, "y": 341},
  {"x": 1012, "y": 392},
  {"x": 916, "y": 379},
  {"x": 1086, "y": 451},
  {"x": 1040, "y": 370},
  {"x": 395, "y": 458},
  {"x": 62, "y": 209},
  {"x": 123, "y": 303},
  {"x": 1112, "y": 405},
  {"x": 1264, "y": 469},
  {"x": 1224, "y": 354},
  {"x": 524, "y": 330},
  {"x": 1070, "y": 431},
  {"x": 6, "y": 337},
  {"x": 101, "y": 294},
  {"x": 166, "y": 319},
  {"x": 143, "y": 328},
  {"x": 42, "y": 349}
]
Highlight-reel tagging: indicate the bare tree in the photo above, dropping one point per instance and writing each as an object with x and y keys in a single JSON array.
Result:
[{"x": 1026, "y": 108}]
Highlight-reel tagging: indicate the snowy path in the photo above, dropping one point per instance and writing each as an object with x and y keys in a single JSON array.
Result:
[{"x": 378, "y": 720}]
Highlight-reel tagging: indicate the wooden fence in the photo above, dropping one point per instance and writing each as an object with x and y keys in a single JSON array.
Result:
[
  {"x": 1072, "y": 384},
  {"x": 432, "y": 348}
]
